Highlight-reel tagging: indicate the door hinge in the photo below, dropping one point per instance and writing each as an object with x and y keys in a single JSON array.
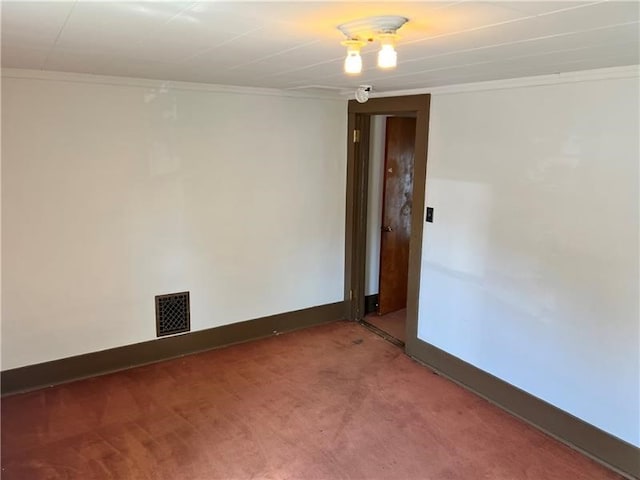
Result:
[
  {"x": 356, "y": 136},
  {"x": 350, "y": 294}
]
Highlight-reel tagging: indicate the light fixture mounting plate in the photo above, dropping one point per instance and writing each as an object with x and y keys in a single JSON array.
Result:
[{"x": 371, "y": 27}]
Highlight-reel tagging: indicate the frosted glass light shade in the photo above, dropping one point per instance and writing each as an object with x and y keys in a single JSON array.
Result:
[
  {"x": 387, "y": 56},
  {"x": 353, "y": 62}
]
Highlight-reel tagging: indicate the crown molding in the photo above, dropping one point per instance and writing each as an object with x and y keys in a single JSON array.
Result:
[
  {"x": 631, "y": 71},
  {"x": 71, "y": 77}
]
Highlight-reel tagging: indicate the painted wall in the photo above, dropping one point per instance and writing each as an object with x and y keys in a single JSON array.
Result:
[
  {"x": 114, "y": 192},
  {"x": 374, "y": 202},
  {"x": 530, "y": 270}
]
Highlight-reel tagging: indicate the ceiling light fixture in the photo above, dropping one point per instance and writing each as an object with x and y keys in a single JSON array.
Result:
[{"x": 360, "y": 32}]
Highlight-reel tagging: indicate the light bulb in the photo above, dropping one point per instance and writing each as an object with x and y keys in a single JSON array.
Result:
[
  {"x": 353, "y": 62},
  {"x": 387, "y": 56}
]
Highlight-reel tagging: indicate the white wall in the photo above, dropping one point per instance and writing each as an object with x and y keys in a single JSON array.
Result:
[
  {"x": 114, "y": 192},
  {"x": 530, "y": 270},
  {"x": 374, "y": 202}
]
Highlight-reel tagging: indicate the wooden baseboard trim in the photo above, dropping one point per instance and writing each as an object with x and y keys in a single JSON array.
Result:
[
  {"x": 603, "y": 447},
  {"x": 371, "y": 304},
  {"x": 65, "y": 370}
]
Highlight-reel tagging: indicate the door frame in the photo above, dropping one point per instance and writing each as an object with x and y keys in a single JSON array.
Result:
[{"x": 358, "y": 141}]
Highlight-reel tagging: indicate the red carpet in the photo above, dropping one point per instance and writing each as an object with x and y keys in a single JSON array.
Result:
[{"x": 331, "y": 402}]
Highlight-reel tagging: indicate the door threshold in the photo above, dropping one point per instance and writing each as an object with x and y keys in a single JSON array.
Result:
[{"x": 381, "y": 333}]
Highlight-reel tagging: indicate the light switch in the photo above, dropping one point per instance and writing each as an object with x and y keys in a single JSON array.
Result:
[{"x": 430, "y": 214}]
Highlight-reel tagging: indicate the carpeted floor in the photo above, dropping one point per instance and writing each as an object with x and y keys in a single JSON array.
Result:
[
  {"x": 330, "y": 402},
  {"x": 392, "y": 323}
]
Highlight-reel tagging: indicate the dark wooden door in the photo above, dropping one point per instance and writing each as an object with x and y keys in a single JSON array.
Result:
[{"x": 396, "y": 214}]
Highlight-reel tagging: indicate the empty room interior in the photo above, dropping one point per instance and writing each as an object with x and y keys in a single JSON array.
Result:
[{"x": 320, "y": 240}]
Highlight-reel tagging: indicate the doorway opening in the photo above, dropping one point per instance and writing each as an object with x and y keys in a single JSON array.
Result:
[
  {"x": 389, "y": 207},
  {"x": 401, "y": 215}
]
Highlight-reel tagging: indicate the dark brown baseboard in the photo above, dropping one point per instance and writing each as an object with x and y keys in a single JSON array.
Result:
[
  {"x": 371, "y": 304},
  {"x": 41, "y": 375},
  {"x": 595, "y": 443}
]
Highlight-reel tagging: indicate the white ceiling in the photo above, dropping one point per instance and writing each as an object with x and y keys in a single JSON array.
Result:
[{"x": 297, "y": 45}]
